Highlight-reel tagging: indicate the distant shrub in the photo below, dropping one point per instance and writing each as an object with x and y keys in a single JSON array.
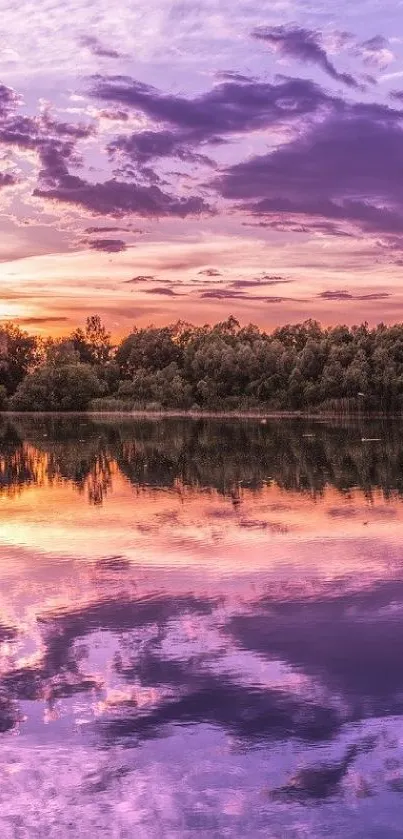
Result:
[
  {"x": 110, "y": 403},
  {"x": 153, "y": 406},
  {"x": 3, "y": 398}
]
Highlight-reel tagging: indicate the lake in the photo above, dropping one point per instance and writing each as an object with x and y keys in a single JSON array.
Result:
[{"x": 201, "y": 628}]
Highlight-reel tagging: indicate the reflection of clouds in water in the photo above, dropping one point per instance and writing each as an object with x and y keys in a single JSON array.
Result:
[
  {"x": 173, "y": 788},
  {"x": 245, "y": 642}
]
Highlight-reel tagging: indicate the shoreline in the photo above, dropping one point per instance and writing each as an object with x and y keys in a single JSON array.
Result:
[{"x": 197, "y": 415}]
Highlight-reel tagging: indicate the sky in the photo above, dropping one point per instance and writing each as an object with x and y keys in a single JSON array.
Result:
[{"x": 177, "y": 159}]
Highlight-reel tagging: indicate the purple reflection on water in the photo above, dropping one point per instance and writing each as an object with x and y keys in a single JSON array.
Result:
[{"x": 200, "y": 629}]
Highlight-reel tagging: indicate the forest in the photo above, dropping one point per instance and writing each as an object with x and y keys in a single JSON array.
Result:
[{"x": 302, "y": 367}]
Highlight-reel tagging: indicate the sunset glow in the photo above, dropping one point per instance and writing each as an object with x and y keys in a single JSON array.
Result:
[{"x": 183, "y": 161}]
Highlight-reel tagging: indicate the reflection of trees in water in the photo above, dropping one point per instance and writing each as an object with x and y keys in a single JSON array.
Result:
[
  {"x": 45, "y": 458},
  {"x": 20, "y": 465},
  {"x": 229, "y": 456}
]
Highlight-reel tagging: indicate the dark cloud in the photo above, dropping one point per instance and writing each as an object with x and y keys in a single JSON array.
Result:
[
  {"x": 108, "y": 245},
  {"x": 374, "y": 52},
  {"x": 163, "y": 290},
  {"x": 303, "y": 45},
  {"x": 146, "y": 145},
  {"x": 37, "y": 133},
  {"x": 346, "y": 295},
  {"x": 97, "y": 48},
  {"x": 232, "y": 76},
  {"x": 264, "y": 281},
  {"x": 54, "y": 143},
  {"x": 142, "y": 278},
  {"x": 36, "y": 321},
  {"x": 342, "y": 169},
  {"x": 115, "y": 114},
  {"x": 91, "y": 230},
  {"x": 78, "y": 131},
  {"x": 397, "y": 94},
  {"x": 9, "y": 100},
  {"x": 228, "y": 108},
  {"x": 211, "y": 272},
  {"x": 227, "y": 294},
  {"x": 119, "y": 198},
  {"x": 7, "y": 179}
]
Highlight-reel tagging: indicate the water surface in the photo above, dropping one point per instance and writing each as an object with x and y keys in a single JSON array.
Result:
[{"x": 201, "y": 628}]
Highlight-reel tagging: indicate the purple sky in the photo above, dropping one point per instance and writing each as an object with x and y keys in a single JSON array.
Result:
[{"x": 183, "y": 159}]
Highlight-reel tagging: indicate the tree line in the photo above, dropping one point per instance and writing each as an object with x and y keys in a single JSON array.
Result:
[{"x": 295, "y": 367}]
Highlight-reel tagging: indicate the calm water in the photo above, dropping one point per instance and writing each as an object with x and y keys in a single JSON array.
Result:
[{"x": 201, "y": 629}]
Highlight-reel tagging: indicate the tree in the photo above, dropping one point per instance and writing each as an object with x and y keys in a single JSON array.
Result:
[
  {"x": 93, "y": 344},
  {"x": 67, "y": 387},
  {"x": 148, "y": 349},
  {"x": 18, "y": 355}
]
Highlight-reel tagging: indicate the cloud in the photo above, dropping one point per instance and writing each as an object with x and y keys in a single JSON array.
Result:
[
  {"x": 304, "y": 45},
  {"x": 114, "y": 114},
  {"x": 98, "y": 49},
  {"x": 119, "y": 198},
  {"x": 346, "y": 295},
  {"x": 210, "y": 272},
  {"x": 37, "y": 321},
  {"x": 7, "y": 179},
  {"x": 263, "y": 281},
  {"x": 9, "y": 100},
  {"x": 91, "y": 230},
  {"x": 146, "y": 145},
  {"x": 142, "y": 278},
  {"x": 232, "y": 76},
  {"x": 227, "y": 108},
  {"x": 163, "y": 290},
  {"x": 341, "y": 169},
  {"x": 375, "y": 52},
  {"x": 108, "y": 245},
  {"x": 227, "y": 294}
]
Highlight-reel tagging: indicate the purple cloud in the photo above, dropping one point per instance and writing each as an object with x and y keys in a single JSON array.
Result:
[
  {"x": 108, "y": 245},
  {"x": 91, "y": 230},
  {"x": 98, "y": 49},
  {"x": 210, "y": 272},
  {"x": 346, "y": 295},
  {"x": 228, "y": 108},
  {"x": 142, "y": 278},
  {"x": 227, "y": 294},
  {"x": 163, "y": 290},
  {"x": 343, "y": 169},
  {"x": 375, "y": 52},
  {"x": 9, "y": 101},
  {"x": 258, "y": 282},
  {"x": 114, "y": 114},
  {"x": 119, "y": 198},
  {"x": 145, "y": 145},
  {"x": 303, "y": 45},
  {"x": 8, "y": 179},
  {"x": 232, "y": 76}
]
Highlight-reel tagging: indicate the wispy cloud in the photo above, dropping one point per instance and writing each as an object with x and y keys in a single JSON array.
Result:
[{"x": 304, "y": 45}]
